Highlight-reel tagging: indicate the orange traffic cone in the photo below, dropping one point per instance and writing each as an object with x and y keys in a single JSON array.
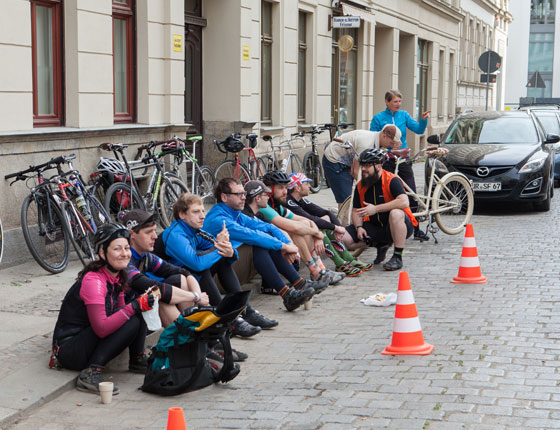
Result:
[
  {"x": 407, "y": 333},
  {"x": 469, "y": 268},
  {"x": 176, "y": 419}
]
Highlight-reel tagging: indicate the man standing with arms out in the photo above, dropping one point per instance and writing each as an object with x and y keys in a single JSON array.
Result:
[
  {"x": 178, "y": 288},
  {"x": 340, "y": 161},
  {"x": 302, "y": 231},
  {"x": 298, "y": 190},
  {"x": 269, "y": 243},
  {"x": 380, "y": 210}
]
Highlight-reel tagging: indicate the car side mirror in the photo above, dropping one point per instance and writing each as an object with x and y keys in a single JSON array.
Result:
[
  {"x": 433, "y": 139},
  {"x": 552, "y": 138}
]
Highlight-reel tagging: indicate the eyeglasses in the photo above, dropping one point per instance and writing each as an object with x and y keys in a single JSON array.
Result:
[{"x": 242, "y": 193}]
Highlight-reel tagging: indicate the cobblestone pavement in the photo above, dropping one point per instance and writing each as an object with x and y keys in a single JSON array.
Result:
[{"x": 494, "y": 366}]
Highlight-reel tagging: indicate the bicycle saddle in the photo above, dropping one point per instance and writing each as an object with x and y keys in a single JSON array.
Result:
[{"x": 267, "y": 137}]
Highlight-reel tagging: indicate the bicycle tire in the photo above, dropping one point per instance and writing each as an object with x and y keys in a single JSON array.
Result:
[
  {"x": 79, "y": 236},
  {"x": 295, "y": 164},
  {"x": 267, "y": 163},
  {"x": 170, "y": 190},
  {"x": 228, "y": 169},
  {"x": 204, "y": 183},
  {"x": 118, "y": 201},
  {"x": 345, "y": 212},
  {"x": 51, "y": 248},
  {"x": 453, "y": 191},
  {"x": 312, "y": 169}
]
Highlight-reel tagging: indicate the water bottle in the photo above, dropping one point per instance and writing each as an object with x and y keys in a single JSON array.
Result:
[
  {"x": 284, "y": 164},
  {"x": 82, "y": 206}
]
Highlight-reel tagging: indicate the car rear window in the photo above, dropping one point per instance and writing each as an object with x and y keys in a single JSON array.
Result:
[
  {"x": 496, "y": 130},
  {"x": 549, "y": 122}
]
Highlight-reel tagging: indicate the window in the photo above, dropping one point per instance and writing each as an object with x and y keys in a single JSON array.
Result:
[
  {"x": 302, "y": 58},
  {"x": 543, "y": 11},
  {"x": 123, "y": 60},
  {"x": 421, "y": 78},
  {"x": 344, "y": 75},
  {"x": 266, "y": 62},
  {"x": 441, "y": 84},
  {"x": 46, "y": 48},
  {"x": 451, "y": 86}
]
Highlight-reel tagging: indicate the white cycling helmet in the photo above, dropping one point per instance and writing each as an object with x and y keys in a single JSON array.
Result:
[{"x": 111, "y": 165}]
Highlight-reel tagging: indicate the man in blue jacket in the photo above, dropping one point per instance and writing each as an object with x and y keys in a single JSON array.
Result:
[{"x": 269, "y": 242}]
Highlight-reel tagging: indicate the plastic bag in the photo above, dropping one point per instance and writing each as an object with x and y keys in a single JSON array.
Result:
[
  {"x": 380, "y": 299},
  {"x": 152, "y": 316}
]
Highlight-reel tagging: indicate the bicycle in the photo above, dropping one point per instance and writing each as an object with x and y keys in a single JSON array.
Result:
[
  {"x": 447, "y": 200},
  {"x": 236, "y": 168},
  {"x": 311, "y": 161},
  {"x": 202, "y": 177},
  {"x": 338, "y": 128},
  {"x": 47, "y": 214},
  {"x": 162, "y": 191},
  {"x": 292, "y": 160}
]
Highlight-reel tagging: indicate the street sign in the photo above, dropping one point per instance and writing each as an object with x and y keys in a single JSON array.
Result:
[
  {"x": 536, "y": 81},
  {"x": 489, "y": 61},
  {"x": 346, "y": 21},
  {"x": 485, "y": 77}
]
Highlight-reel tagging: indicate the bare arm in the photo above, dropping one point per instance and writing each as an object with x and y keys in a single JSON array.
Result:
[
  {"x": 355, "y": 169},
  {"x": 400, "y": 202}
]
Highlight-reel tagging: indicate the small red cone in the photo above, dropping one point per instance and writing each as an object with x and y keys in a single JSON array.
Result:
[
  {"x": 469, "y": 267},
  {"x": 176, "y": 419},
  {"x": 407, "y": 333}
]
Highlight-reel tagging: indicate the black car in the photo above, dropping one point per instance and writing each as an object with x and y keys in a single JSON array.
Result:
[{"x": 506, "y": 156}]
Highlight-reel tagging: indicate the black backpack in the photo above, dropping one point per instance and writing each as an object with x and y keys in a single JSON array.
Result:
[{"x": 178, "y": 362}]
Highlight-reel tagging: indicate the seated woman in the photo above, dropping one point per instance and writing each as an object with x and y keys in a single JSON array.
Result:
[{"x": 94, "y": 324}]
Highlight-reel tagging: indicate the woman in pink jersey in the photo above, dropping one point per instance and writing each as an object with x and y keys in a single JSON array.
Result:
[{"x": 94, "y": 324}]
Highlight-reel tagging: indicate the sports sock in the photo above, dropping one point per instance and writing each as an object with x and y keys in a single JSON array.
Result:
[
  {"x": 314, "y": 270},
  {"x": 398, "y": 252},
  {"x": 345, "y": 255},
  {"x": 283, "y": 291},
  {"x": 337, "y": 260},
  {"x": 298, "y": 284}
]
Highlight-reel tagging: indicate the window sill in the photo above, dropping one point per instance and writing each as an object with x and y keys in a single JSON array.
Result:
[{"x": 272, "y": 128}]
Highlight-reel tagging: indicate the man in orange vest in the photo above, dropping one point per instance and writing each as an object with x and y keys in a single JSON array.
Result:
[{"x": 380, "y": 213}]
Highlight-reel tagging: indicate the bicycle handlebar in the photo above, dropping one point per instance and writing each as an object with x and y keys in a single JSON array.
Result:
[{"x": 51, "y": 164}]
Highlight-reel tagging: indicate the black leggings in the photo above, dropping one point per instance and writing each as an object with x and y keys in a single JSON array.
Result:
[
  {"x": 265, "y": 261},
  {"x": 227, "y": 277},
  {"x": 86, "y": 348},
  {"x": 407, "y": 175}
]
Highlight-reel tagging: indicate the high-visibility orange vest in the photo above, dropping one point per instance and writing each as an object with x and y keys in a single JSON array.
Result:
[{"x": 386, "y": 178}]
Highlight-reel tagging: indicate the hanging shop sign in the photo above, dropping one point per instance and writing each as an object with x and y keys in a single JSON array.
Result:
[{"x": 346, "y": 21}]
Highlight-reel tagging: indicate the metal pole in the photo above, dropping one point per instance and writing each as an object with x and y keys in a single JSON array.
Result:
[{"x": 487, "y": 69}]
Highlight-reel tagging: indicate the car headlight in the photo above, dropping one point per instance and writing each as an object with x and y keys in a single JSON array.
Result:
[
  {"x": 440, "y": 167},
  {"x": 534, "y": 164}
]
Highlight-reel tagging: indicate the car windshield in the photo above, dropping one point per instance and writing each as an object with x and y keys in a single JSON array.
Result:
[
  {"x": 549, "y": 122},
  {"x": 493, "y": 130}
]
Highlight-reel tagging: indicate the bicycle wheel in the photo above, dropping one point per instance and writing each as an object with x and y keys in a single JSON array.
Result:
[
  {"x": 170, "y": 190},
  {"x": 228, "y": 169},
  {"x": 294, "y": 164},
  {"x": 312, "y": 169},
  {"x": 204, "y": 183},
  {"x": 120, "y": 199},
  {"x": 44, "y": 232},
  {"x": 454, "y": 194},
  {"x": 98, "y": 212},
  {"x": 79, "y": 234},
  {"x": 267, "y": 164}
]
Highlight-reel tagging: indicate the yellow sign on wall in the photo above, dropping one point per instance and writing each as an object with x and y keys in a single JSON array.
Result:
[
  {"x": 246, "y": 52},
  {"x": 178, "y": 42}
]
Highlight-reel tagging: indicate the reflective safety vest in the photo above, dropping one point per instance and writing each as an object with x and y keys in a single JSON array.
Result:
[{"x": 386, "y": 178}]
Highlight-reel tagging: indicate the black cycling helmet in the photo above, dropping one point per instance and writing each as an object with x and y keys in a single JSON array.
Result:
[
  {"x": 107, "y": 233},
  {"x": 276, "y": 177},
  {"x": 372, "y": 156}
]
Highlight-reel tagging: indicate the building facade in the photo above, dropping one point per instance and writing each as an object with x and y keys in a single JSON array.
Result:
[
  {"x": 82, "y": 72},
  {"x": 535, "y": 47}
]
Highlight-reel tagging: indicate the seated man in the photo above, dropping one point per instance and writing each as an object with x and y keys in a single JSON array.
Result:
[
  {"x": 302, "y": 231},
  {"x": 380, "y": 210},
  {"x": 298, "y": 190},
  {"x": 185, "y": 244},
  {"x": 269, "y": 243},
  {"x": 178, "y": 288}
]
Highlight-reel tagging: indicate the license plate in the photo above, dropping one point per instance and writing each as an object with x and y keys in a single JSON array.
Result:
[{"x": 487, "y": 186}]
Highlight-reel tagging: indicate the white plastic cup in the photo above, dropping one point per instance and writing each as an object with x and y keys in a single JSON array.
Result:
[
  {"x": 308, "y": 304},
  {"x": 106, "y": 391}
]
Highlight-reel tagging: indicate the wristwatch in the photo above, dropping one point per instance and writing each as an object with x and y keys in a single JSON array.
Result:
[{"x": 196, "y": 298}]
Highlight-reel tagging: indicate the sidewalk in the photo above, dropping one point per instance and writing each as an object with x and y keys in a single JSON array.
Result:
[{"x": 28, "y": 314}]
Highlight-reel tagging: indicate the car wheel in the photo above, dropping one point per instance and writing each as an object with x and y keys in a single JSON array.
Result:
[{"x": 544, "y": 206}]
